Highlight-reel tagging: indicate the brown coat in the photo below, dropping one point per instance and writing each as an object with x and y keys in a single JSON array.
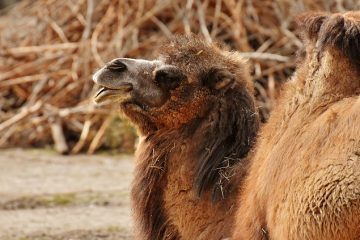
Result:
[
  {"x": 304, "y": 180},
  {"x": 189, "y": 164}
]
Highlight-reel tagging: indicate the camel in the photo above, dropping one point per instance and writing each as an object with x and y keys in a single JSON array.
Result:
[
  {"x": 304, "y": 178},
  {"x": 195, "y": 111}
]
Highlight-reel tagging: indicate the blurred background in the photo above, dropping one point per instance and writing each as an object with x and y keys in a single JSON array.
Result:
[{"x": 48, "y": 51}]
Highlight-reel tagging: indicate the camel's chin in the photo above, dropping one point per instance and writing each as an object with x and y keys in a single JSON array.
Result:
[
  {"x": 133, "y": 106},
  {"x": 111, "y": 95}
]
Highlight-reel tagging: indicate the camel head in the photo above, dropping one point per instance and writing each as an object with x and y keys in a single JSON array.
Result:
[
  {"x": 181, "y": 85},
  {"x": 195, "y": 90}
]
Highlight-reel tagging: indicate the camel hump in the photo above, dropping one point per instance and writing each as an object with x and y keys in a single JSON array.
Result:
[{"x": 341, "y": 31}]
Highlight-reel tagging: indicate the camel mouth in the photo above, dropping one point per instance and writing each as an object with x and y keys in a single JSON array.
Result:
[{"x": 119, "y": 94}]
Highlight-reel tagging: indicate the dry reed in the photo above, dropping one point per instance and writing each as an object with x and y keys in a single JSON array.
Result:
[{"x": 50, "y": 48}]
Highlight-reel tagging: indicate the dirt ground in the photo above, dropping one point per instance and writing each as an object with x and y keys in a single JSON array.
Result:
[{"x": 45, "y": 196}]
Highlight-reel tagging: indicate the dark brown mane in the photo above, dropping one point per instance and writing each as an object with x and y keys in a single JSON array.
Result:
[{"x": 228, "y": 135}]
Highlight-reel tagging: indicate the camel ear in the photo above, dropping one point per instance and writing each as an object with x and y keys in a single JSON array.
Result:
[
  {"x": 218, "y": 79},
  {"x": 310, "y": 23}
]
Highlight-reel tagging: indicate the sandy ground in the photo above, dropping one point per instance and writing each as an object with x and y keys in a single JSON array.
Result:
[{"x": 47, "y": 196}]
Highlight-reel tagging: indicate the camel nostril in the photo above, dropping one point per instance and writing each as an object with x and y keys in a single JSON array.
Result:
[{"x": 116, "y": 65}]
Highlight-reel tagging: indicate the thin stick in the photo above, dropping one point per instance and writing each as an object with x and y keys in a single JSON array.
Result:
[
  {"x": 89, "y": 13},
  {"x": 58, "y": 136},
  {"x": 99, "y": 135},
  {"x": 264, "y": 56},
  {"x": 201, "y": 17},
  {"x": 83, "y": 136},
  {"x": 32, "y": 78},
  {"x": 38, "y": 49},
  {"x": 21, "y": 115}
]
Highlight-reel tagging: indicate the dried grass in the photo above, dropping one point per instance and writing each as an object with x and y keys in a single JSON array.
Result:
[{"x": 50, "y": 48}]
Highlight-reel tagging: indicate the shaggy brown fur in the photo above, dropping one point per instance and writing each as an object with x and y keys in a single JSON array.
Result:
[
  {"x": 187, "y": 161},
  {"x": 184, "y": 185},
  {"x": 304, "y": 181}
]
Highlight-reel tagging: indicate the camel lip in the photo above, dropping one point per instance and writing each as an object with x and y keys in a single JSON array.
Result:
[
  {"x": 100, "y": 91},
  {"x": 105, "y": 93}
]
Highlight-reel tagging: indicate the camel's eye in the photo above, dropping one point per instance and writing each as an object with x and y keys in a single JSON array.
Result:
[{"x": 169, "y": 77}]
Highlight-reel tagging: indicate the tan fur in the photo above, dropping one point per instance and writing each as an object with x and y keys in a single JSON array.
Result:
[{"x": 304, "y": 182}]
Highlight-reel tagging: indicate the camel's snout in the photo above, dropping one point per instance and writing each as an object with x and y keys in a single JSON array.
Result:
[
  {"x": 113, "y": 81},
  {"x": 129, "y": 80}
]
